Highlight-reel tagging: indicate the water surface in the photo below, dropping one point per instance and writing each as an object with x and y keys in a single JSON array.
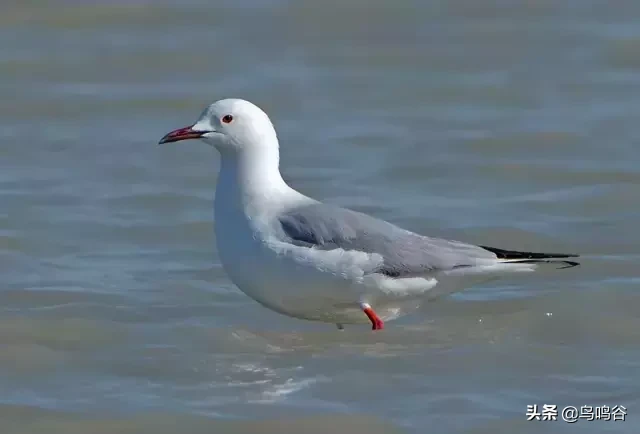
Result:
[{"x": 507, "y": 123}]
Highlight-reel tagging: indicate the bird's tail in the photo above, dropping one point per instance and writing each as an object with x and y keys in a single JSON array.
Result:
[{"x": 512, "y": 256}]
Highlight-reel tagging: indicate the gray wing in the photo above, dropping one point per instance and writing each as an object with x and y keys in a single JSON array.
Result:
[{"x": 405, "y": 253}]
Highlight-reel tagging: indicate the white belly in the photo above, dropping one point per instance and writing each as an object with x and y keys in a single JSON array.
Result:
[
  {"x": 296, "y": 281},
  {"x": 300, "y": 289},
  {"x": 301, "y": 283},
  {"x": 276, "y": 281}
]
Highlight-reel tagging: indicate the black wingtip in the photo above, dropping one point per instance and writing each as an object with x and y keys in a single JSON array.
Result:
[
  {"x": 531, "y": 257},
  {"x": 513, "y": 254}
]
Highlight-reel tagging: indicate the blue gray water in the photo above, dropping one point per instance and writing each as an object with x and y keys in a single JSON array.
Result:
[{"x": 508, "y": 123}]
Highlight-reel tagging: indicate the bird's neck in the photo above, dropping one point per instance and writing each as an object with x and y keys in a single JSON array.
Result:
[{"x": 248, "y": 181}]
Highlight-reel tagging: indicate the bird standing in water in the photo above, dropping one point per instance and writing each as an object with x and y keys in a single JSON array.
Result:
[{"x": 314, "y": 261}]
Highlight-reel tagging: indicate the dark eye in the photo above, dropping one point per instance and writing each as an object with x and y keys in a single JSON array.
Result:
[{"x": 227, "y": 119}]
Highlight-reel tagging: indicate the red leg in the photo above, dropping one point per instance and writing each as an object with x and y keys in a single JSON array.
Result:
[{"x": 373, "y": 317}]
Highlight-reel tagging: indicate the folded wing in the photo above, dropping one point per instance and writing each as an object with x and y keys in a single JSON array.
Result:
[{"x": 405, "y": 253}]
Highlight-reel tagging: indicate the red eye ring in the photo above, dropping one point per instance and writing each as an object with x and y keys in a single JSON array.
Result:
[{"x": 227, "y": 119}]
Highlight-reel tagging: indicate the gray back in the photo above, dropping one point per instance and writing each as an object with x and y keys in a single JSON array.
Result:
[{"x": 322, "y": 226}]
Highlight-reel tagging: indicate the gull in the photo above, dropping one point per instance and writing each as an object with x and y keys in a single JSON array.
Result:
[{"x": 315, "y": 261}]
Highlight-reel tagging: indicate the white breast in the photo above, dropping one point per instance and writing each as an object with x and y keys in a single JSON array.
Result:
[{"x": 293, "y": 280}]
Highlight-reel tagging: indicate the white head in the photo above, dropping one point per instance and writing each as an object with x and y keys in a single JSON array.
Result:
[{"x": 232, "y": 126}]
